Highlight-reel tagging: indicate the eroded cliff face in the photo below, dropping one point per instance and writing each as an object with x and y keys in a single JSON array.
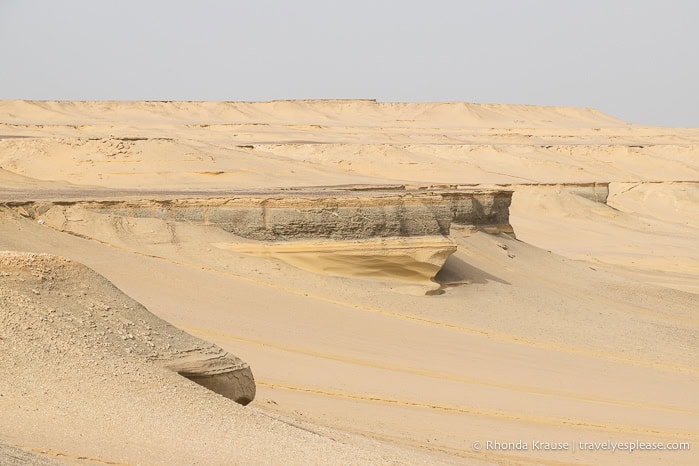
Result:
[
  {"x": 307, "y": 214},
  {"x": 287, "y": 217},
  {"x": 380, "y": 232}
]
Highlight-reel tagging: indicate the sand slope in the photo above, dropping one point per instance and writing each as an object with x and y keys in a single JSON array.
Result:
[
  {"x": 488, "y": 359},
  {"x": 648, "y": 230}
]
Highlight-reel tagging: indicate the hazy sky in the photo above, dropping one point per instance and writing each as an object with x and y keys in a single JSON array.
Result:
[{"x": 637, "y": 60}]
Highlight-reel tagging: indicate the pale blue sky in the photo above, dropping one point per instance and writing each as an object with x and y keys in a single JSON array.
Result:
[{"x": 637, "y": 60}]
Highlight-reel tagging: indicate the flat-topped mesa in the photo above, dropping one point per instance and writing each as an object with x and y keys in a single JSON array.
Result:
[{"x": 306, "y": 111}]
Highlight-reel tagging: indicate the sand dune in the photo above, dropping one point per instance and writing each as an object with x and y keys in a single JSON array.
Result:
[{"x": 583, "y": 329}]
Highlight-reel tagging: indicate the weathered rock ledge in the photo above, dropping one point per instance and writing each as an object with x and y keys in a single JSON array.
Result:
[{"x": 298, "y": 214}]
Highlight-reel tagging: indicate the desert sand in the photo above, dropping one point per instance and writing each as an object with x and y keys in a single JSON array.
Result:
[{"x": 319, "y": 242}]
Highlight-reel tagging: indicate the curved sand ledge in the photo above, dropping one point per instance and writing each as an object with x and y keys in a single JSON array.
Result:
[{"x": 415, "y": 260}]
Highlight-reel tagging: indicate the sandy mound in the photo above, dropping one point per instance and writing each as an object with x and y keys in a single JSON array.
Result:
[{"x": 105, "y": 321}]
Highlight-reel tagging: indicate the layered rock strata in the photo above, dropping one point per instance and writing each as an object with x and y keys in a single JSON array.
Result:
[
  {"x": 309, "y": 214},
  {"x": 389, "y": 232}
]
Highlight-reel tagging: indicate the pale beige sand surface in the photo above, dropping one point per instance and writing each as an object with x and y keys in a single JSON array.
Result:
[
  {"x": 584, "y": 329},
  {"x": 76, "y": 388}
]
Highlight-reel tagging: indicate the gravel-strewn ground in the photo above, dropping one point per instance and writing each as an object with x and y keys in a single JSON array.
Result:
[{"x": 12, "y": 456}]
